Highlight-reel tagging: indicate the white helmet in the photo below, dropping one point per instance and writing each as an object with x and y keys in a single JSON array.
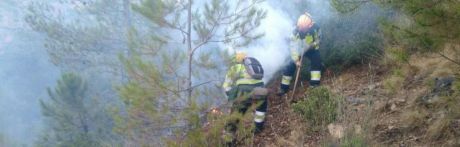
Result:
[{"x": 304, "y": 22}]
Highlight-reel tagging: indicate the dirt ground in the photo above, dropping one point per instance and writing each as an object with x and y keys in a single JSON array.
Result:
[
  {"x": 369, "y": 109},
  {"x": 285, "y": 128}
]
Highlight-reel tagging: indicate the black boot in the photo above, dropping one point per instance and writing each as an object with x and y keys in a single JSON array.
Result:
[
  {"x": 313, "y": 84},
  {"x": 283, "y": 90},
  {"x": 230, "y": 144}
]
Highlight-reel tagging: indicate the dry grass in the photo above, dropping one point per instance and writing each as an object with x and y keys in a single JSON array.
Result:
[
  {"x": 438, "y": 129},
  {"x": 400, "y": 82},
  {"x": 393, "y": 84},
  {"x": 410, "y": 79},
  {"x": 435, "y": 119},
  {"x": 413, "y": 119}
]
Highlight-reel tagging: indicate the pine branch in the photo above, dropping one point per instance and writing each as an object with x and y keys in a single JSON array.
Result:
[
  {"x": 238, "y": 13},
  {"x": 233, "y": 36},
  {"x": 206, "y": 40},
  {"x": 193, "y": 87},
  {"x": 159, "y": 85}
]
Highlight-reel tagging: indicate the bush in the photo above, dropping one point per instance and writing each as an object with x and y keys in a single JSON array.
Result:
[
  {"x": 394, "y": 82},
  {"x": 348, "y": 40},
  {"x": 210, "y": 132},
  {"x": 319, "y": 107}
]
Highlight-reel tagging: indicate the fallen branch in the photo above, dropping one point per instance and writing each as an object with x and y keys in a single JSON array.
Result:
[{"x": 451, "y": 60}]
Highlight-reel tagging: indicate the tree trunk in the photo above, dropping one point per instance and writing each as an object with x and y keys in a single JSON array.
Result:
[
  {"x": 127, "y": 26},
  {"x": 190, "y": 52}
]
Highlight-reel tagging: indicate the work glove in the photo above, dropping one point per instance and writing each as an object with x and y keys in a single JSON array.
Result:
[
  {"x": 298, "y": 63},
  {"x": 316, "y": 43}
]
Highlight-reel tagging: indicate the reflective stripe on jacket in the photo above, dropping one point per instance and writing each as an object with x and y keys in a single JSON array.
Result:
[{"x": 237, "y": 75}]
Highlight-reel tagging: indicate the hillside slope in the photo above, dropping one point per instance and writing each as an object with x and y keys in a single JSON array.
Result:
[
  {"x": 286, "y": 128},
  {"x": 384, "y": 104}
]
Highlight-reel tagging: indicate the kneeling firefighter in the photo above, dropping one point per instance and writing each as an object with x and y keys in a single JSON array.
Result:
[{"x": 244, "y": 86}]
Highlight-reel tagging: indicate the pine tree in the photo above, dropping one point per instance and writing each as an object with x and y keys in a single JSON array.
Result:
[
  {"x": 421, "y": 25},
  {"x": 71, "y": 117},
  {"x": 217, "y": 21},
  {"x": 84, "y": 34},
  {"x": 160, "y": 97}
]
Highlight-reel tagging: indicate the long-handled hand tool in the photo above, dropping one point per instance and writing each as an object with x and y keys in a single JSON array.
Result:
[{"x": 296, "y": 80}]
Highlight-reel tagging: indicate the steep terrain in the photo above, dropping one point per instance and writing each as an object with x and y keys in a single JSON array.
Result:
[
  {"x": 384, "y": 104},
  {"x": 285, "y": 128}
]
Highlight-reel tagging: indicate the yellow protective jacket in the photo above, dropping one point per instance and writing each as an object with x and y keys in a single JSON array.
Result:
[
  {"x": 237, "y": 75},
  {"x": 300, "y": 43}
]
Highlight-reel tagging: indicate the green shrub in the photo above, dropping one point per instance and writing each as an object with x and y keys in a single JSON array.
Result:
[
  {"x": 395, "y": 81},
  {"x": 353, "y": 141},
  {"x": 212, "y": 133},
  {"x": 358, "y": 52},
  {"x": 319, "y": 107},
  {"x": 351, "y": 39}
]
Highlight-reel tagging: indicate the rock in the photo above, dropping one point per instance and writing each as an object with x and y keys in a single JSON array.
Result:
[
  {"x": 400, "y": 100},
  {"x": 355, "y": 101},
  {"x": 391, "y": 127},
  {"x": 430, "y": 98},
  {"x": 402, "y": 144},
  {"x": 336, "y": 131},
  {"x": 358, "y": 129},
  {"x": 371, "y": 87},
  {"x": 443, "y": 83},
  {"x": 393, "y": 107},
  {"x": 442, "y": 87},
  {"x": 379, "y": 105},
  {"x": 456, "y": 126}
]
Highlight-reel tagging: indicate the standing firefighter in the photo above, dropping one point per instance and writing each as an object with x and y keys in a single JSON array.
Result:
[
  {"x": 304, "y": 42},
  {"x": 243, "y": 85}
]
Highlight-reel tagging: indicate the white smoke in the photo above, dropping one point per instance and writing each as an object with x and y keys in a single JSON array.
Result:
[{"x": 272, "y": 49}]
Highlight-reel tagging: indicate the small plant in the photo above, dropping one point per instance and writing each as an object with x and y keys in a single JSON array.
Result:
[
  {"x": 398, "y": 54},
  {"x": 353, "y": 141},
  {"x": 215, "y": 132},
  {"x": 395, "y": 81},
  {"x": 319, "y": 107}
]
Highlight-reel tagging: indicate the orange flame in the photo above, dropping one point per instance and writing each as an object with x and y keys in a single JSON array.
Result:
[{"x": 216, "y": 111}]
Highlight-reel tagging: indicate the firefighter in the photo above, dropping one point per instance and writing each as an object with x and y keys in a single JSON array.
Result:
[
  {"x": 304, "y": 42},
  {"x": 239, "y": 86}
]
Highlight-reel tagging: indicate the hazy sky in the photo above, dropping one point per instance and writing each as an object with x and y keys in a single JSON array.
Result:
[{"x": 25, "y": 73}]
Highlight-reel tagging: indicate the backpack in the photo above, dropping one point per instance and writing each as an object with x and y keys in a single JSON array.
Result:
[{"x": 253, "y": 68}]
